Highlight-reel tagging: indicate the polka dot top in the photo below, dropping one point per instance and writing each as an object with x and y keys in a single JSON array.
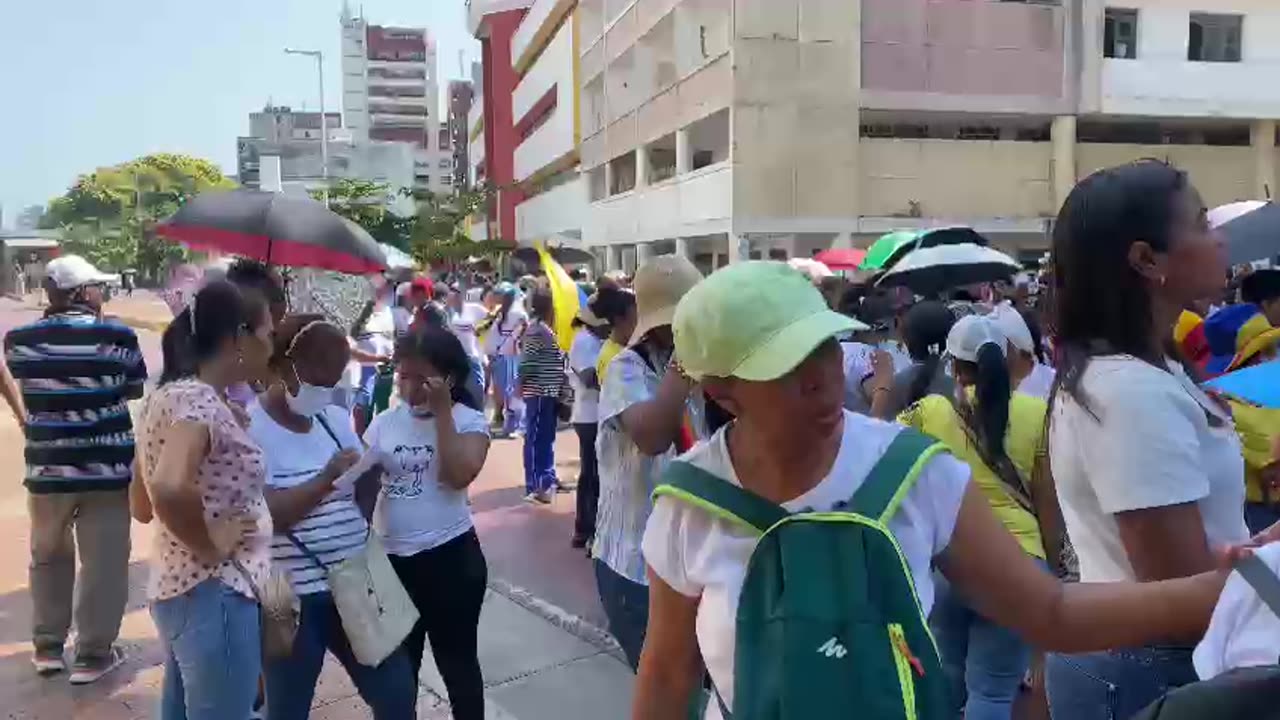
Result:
[{"x": 231, "y": 478}]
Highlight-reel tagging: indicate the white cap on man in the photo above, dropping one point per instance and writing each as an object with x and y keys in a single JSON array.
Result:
[
  {"x": 1010, "y": 322},
  {"x": 70, "y": 272}
]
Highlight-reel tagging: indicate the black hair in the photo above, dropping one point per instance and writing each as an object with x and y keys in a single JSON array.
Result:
[
  {"x": 612, "y": 305},
  {"x": 219, "y": 312},
  {"x": 986, "y": 420},
  {"x": 444, "y": 351},
  {"x": 1260, "y": 286},
  {"x": 1100, "y": 304},
  {"x": 504, "y": 307},
  {"x": 247, "y": 273},
  {"x": 925, "y": 329},
  {"x": 541, "y": 304},
  {"x": 1032, "y": 319}
]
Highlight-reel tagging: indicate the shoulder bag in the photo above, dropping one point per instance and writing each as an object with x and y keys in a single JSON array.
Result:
[{"x": 377, "y": 612}]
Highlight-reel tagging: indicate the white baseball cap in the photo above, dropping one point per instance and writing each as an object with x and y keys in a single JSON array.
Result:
[
  {"x": 1015, "y": 330},
  {"x": 970, "y": 333},
  {"x": 69, "y": 272}
]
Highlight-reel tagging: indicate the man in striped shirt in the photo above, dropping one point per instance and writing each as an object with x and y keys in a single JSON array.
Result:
[{"x": 77, "y": 373}]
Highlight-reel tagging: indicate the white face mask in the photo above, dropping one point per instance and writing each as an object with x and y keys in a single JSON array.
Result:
[{"x": 310, "y": 400}]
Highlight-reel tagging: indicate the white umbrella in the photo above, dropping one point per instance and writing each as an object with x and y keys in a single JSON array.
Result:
[
  {"x": 1251, "y": 228},
  {"x": 397, "y": 258},
  {"x": 930, "y": 270}
]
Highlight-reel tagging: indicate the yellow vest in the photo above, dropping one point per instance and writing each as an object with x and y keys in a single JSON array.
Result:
[{"x": 607, "y": 354}]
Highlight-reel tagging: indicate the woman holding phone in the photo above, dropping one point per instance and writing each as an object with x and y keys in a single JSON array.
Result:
[{"x": 433, "y": 446}]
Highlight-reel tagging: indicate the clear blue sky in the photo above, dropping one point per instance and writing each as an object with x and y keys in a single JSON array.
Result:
[{"x": 87, "y": 83}]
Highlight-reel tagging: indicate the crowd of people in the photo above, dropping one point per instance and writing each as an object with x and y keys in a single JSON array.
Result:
[{"x": 799, "y": 496}]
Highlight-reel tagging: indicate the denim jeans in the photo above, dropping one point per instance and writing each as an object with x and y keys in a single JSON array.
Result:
[
  {"x": 984, "y": 662},
  {"x": 1114, "y": 685},
  {"x": 505, "y": 370},
  {"x": 540, "y": 424},
  {"x": 213, "y": 653},
  {"x": 626, "y": 606},
  {"x": 389, "y": 689},
  {"x": 1260, "y": 516}
]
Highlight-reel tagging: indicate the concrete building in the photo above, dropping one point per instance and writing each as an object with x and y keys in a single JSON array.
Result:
[
  {"x": 461, "y": 97},
  {"x": 391, "y": 93},
  {"x": 728, "y": 129}
]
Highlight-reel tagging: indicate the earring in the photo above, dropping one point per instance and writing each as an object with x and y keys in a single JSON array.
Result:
[{"x": 1163, "y": 280}]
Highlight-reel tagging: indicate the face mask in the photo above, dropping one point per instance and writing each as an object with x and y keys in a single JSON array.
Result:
[{"x": 310, "y": 400}]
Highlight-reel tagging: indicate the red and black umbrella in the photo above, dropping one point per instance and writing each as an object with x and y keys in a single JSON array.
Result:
[{"x": 276, "y": 229}]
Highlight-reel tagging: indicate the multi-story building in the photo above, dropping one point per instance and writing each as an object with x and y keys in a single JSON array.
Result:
[
  {"x": 461, "y": 95},
  {"x": 728, "y": 129},
  {"x": 391, "y": 93}
]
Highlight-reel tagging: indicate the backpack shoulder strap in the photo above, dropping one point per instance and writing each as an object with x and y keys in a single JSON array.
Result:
[
  {"x": 894, "y": 474},
  {"x": 1263, "y": 581},
  {"x": 691, "y": 484}
]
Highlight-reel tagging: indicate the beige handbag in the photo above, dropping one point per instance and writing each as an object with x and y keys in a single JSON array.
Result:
[
  {"x": 278, "y": 608},
  {"x": 377, "y": 612}
]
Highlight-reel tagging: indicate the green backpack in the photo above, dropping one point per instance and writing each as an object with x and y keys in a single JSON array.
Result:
[{"x": 829, "y": 624}]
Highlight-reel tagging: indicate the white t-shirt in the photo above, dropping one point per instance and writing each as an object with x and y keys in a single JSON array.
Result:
[
  {"x": 334, "y": 530},
  {"x": 415, "y": 511},
  {"x": 1244, "y": 632},
  {"x": 502, "y": 338},
  {"x": 699, "y": 555},
  {"x": 463, "y": 323},
  {"x": 1151, "y": 445},
  {"x": 582, "y": 357},
  {"x": 1038, "y": 382}
]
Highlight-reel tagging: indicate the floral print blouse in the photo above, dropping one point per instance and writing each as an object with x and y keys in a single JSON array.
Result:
[{"x": 230, "y": 480}]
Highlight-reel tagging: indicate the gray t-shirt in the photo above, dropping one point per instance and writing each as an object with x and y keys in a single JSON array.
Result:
[{"x": 900, "y": 394}]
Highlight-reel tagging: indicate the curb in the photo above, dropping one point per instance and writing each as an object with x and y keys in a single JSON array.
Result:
[{"x": 559, "y": 617}]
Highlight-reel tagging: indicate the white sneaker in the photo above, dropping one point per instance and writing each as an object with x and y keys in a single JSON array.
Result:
[
  {"x": 48, "y": 663},
  {"x": 91, "y": 670}
]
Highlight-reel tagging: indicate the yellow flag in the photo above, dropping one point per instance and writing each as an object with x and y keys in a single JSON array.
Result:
[{"x": 565, "y": 296}]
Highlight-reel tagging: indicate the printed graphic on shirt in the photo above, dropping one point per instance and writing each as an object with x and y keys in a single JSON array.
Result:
[{"x": 414, "y": 462}]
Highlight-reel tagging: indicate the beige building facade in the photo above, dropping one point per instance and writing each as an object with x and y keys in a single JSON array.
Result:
[{"x": 729, "y": 129}]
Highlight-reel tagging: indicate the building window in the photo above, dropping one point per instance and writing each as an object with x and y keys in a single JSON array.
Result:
[
  {"x": 1120, "y": 34},
  {"x": 1215, "y": 38},
  {"x": 446, "y": 179}
]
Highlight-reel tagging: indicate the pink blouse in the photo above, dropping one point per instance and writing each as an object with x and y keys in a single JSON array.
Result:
[{"x": 231, "y": 479}]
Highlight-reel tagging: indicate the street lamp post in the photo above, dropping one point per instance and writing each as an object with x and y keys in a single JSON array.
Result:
[{"x": 324, "y": 121}]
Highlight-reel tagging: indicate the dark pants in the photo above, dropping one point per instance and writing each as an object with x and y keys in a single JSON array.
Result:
[
  {"x": 447, "y": 584},
  {"x": 626, "y": 605},
  {"x": 388, "y": 689},
  {"x": 540, "y": 423},
  {"x": 584, "y": 526},
  {"x": 1260, "y": 516}
]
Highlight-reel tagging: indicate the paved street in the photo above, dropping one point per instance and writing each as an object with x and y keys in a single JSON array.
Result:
[{"x": 542, "y": 652}]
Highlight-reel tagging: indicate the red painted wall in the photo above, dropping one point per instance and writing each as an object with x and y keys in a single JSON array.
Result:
[{"x": 499, "y": 126}]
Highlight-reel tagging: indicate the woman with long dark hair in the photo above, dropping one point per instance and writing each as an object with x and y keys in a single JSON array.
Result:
[
  {"x": 204, "y": 478},
  {"x": 999, "y": 433},
  {"x": 925, "y": 328},
  {"x": 1148, "y": 468},
  {"x": 433, "y": 446},
  {"x": 502, "y": 344},
  {"x": 541, "y": 378}
]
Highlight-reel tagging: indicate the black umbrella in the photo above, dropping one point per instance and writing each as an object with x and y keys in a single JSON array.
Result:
[
  {"x": 1251, "y": 228},
  {"x": 276, "y": 229},
  {"x": 929, "y": 271}
]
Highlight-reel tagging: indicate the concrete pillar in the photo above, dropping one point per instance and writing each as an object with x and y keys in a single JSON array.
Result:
[
  {"x": 644, "y": 251},
  {"x": 684, "y": 152},
  {"x": 1262, "y": 136},
  {"x": 682, "y": 248},
  {"x": 843, "y": 241},
  {"x": 612, "y": 258},
  {"x": 739, "y": 248},
  {"x": 642, "y": 167},
  {"x": 608, "y": 179},
  {"x": 1063, "y": 136}
]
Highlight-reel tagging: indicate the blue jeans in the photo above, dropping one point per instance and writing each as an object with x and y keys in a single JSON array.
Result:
[
  {"x": 626, "y": 606},
  {"x": 213, "y": 653},
  {"x": 984, "y": 662},
  {"x": 1114, "y": 685},
  {"x": 1260, "y": 516},
  {"x": 390, "y": 690},
  {"x": 505, "y": 370},
  {"x": 540, "y": 424}
]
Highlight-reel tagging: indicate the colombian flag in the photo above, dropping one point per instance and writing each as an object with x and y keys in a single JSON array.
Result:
[{"x": 566, "y": 296}]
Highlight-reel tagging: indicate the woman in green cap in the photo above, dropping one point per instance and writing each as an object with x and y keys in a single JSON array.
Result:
[{"x": 761, "y": 342}]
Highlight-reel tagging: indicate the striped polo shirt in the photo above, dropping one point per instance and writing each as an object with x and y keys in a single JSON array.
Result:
[
  {"x": 333, "y": 530},
  {"x": 542, "y": 368},
  {"x": 77, "y": 373}
]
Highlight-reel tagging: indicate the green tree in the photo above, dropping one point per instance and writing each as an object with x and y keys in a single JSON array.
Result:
[
  {"x": 366, "y": 203},
  {"x": 109, "y": 215},
  {"x": 442, "y": 232}
]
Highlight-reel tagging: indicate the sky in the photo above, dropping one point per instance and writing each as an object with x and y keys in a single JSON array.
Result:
[{"x": 89, "y": 83}]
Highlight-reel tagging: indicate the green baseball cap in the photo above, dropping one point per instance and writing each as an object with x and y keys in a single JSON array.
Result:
[{"x": 755, "y": 321}]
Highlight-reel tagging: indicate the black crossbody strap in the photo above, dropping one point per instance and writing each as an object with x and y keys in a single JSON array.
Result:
[
  {"x": 324, "y": 423},
  {"x": 307, "y": 552}
]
